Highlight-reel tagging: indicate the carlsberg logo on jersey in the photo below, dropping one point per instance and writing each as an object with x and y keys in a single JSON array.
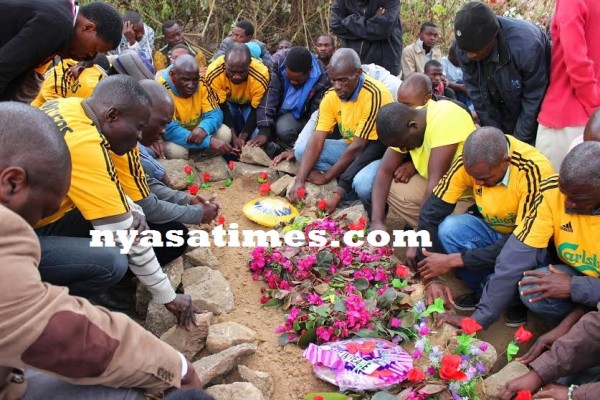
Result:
[{"x": 584, "y": 262}]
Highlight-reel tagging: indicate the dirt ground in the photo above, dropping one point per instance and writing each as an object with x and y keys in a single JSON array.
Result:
[{"x": 292, "y": 374}]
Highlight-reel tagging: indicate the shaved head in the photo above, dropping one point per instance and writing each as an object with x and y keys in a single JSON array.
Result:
[
  {"x": 185, "y": 62},
  {"x": 158, "y": 93},
  {"x": 161, "y": 112},
  {"x": 415, "y": 91},
  {"x": 581, "y": 165},
  {"x": 345, "y": 58},
  {"x": 486, "y": 144},
  {"x": 238, "y": 53},
  {"x": 35, "y": 163}
]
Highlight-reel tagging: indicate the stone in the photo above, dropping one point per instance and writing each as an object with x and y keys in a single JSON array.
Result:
[
  {"x": 288, "y": 167},
  {"x": 142, "y": 300},
  {"x": 255, "y": 156},
  {"x": 228, "y": 334},
  {"x": 216, "y": 166},
  {"x": 211, "y": 367},
  {"x": 351, "y": 214},
  {"x": 279, "y": 188},
  {"x": 236, "y": 390},
  {"x": 174, "y": 270},
  {"x": 262, "y": 380},
  {"x": 489, "y": 356},
  {"x": 209, "y": 290},
  {"x": 189, "y": 343},
  {"x": 494, "y": 384},
  {"x": 159, "y": 319},
  {"x": 177, "y": 176},
  {"x": 247, "y": 175},
  {"x": 314, "y": 193},
  {"x": 200, "y": 256}
]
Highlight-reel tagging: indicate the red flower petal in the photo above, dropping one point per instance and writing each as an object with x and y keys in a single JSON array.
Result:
[
  {"x": 402, "y": 271},
  {"x": 523, "y": 395},
  {"x": 322, "y": 204},
  {"x": 301, "y": 192},
  {"x": 469, "y": 326},
  {"x": 231, "y": 165},
  {"x": 264, "y": 188},
  {"x": 522, "y": 335},
  {"x": 206, "y": 177},
  {"x": 187, "y": 169},
  {"x": 415, "y": 375},
  {"x": 193, "y": 190},
  {"x": 221, "y": 220}
]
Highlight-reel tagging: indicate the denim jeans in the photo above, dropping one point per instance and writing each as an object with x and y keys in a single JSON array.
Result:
[
  {"x": 240, "y": 115},
  {"x": 362, "y": 183},
  {"x": 462, "y": 232},
  {"x": 330, "y": 154},
  {"x": 552, "y": 310}
]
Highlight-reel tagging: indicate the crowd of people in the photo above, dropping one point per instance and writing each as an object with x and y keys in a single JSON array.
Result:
[{"x": 492, "y": 149}]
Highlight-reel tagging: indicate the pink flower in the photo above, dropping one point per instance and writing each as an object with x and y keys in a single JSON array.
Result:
[
  {"x": 324, "y": 333},
  {"x": 293, "y": 315},
  {"x": 284, "y": 285},
  {"x": 416, "y": 354},
  {"x": 381, "y": 275},
  {"x": 395, "y": 322},
  {"x": 314, "y": 298},
  {"x": 281, "y": 329}
]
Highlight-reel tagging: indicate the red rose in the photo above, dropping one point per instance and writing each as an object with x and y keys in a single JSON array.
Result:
[
  {"x": 415, "y": 375},
  {"x": 193, "y": 190},
  {"x": 322, "y": 204},
  {"x": 263, "y": 176},
  {"x": 522, "y": 335},
  {"x": 206, "y": 177},
  {"x": 221, "y": 220},
  {"x": 264, "y": 299},
  {"x": 187, "y": 169},
  {"x": 317, "y": 398},
  {"x": 358, "y": 225},
  {"x": 449, "y": 370},
  {"x": 469, "y": 326},
  {"x": 523, "y": 395},
  {"x": 402, "y": 271},
  {"x": 301, "y": 192},
  {"x": 231, "y": 165},
  {"x": 264, "y": 188}
]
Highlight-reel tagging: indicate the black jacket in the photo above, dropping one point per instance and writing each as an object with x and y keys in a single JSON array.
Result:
[
  {"x": 376, "y": 38},
  {"x": 273, "y": 99},
  {"x": 522, "y": 71},
  {"x": 31, "y": 33}
]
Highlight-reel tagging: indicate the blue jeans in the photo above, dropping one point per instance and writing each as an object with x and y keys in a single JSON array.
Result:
[
  {"x": 552, "y": 310},
  {"x": 85, "y": 270},
  {"x": 330, "y": 154},
  {"x": 240, "y": 115},
  {"x": 458, "y": 233},
  {"x": 362, "y": 183}
]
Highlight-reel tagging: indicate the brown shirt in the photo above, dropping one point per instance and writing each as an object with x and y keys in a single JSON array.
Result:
[{"x": 42, "y": 327}]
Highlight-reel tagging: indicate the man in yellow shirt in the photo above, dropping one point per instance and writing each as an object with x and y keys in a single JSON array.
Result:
[
  {"x": 239, "y": 82},
  {"x": 566, "y": 212},
  {"x": 173, "y": 36},
  {"x": 352, "y": 105},
  {"x": 434, "y": 136},
  {"x": 198, "y": 120},
  {"x": 72, "y": 79},
  {"x": 504, "y": 175},
  {"x": 110, "y": 121}
]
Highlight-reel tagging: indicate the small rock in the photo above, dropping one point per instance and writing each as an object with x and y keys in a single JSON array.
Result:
[
  {"x": 237, "y": 390},
  {"x": 174, "y": 270},
  {"x": 200, "y": 256},
  {"x": 279, "y": 188},
  {"x": 159, "y": 319},
  {"x": 226, "y": 335},
  {"x": 209, "y": 290},
  {"x": 288, "y": 167},
  {"x": 494, "y": 384},
  {"x": 174, "y": 169},
  {"x": 211, "y": 367},
  {"x": 255, "y": 156},
  {"x": 315, "y": 192},
  {"x": 142, "y": 300},
  {"x": 215, "y": 166},
  {"x": 189, "y": 343},
  {"x": 247, "y": 174},
  {"x": 262, "y": 380},
  {"x": 351, "y": 213}
]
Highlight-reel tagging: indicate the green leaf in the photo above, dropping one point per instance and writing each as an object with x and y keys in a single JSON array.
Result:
[
  {"x": 384, "y": 396},
  {"x": 310, "y": 325},
  {"x": 339, "y": 305},
  {"x": 408, "y": 320},
  {"x": 228, "y": 182},
  {"x": 205, "y": 185},
  {"x": 273, "y": 303},
  {"x": 361, "y": 284},
  {"x": 437, "y": 307},
  {"x": 324, "y": 259},
  {"x": 284, "y": 339},
  {"x": 464, "y": 341},
  {"x": 322, "y": 311},
  {"x": 387, "y": 299},
  {"x": 368, "y": 333},
  {"x": 399, "y": 283},
  {"x": 511, "y": 350},
  {"x": 322, "y": 288},
  {"x": 309, "y": 337}
]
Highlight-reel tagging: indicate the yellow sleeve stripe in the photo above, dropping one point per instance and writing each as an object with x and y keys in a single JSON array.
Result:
[
  {"x": 112, "y": 172},
  {"x": 375, "y": 106},
  {"x": 533, "y": 176},
  {"x": 259, "y": 77},
  {"x": 137, "y": 172},
  {"x": 214, "y": 74},
  {"x": 548, "y": 184},
  {"x": 444, "y": 184}
]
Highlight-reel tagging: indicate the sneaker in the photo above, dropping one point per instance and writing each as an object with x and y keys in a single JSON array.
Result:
[
  {"x": 515, "y": 316},
  {"x": 467, "y": 302}
]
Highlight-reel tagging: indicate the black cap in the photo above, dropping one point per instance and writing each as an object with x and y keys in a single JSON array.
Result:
[{"x": 475, "y": 26}]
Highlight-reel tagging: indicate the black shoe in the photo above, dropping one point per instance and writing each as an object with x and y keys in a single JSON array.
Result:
[
  {"x": 515, "y": 316},
  {"x": 112, "y": 302},
  {"x": 467, "y": 302}
]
